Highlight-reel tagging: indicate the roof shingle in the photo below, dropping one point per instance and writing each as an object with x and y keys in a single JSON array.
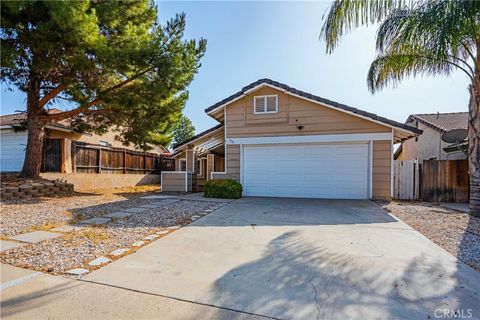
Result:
[
  {"x": 18, "y": 118},
  {"x": 442, "y": 122}
]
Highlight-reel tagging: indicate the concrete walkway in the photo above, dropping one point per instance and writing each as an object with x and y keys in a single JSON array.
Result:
[
  {"x": 50, "y": 297},
  {"x": 260, "y": 257}
]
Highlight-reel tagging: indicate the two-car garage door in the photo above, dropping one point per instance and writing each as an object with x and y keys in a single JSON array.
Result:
[{"x": 310, "y": 171}]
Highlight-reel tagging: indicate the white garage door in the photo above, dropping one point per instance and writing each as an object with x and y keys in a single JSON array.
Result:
[
  {"x": 12, "y": 150},
  {"x": 310, "y": 171}
]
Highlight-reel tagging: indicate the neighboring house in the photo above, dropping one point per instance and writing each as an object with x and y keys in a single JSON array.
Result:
[
  {"x": 429, "y": 145},
  {"x": 13, "y": 142},
  {"x": 282, "y": 142}
]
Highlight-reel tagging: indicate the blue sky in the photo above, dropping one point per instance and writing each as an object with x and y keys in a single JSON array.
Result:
[{"x": 279, "y": 40}]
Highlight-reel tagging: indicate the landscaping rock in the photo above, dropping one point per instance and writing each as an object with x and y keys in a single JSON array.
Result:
[
  {"x": 118, "y": 252},
  {"x": 138, "y": 243},
  {"x": 151, "y": 237},
  {"x": 169, "y": 201},
  {"x": 7, "y": 196},
  {"x": 77, "y": 272},
  {"x": 11, "y": 189},
  {"x": 36, "y": 236},
  {"x": 151, "y": 206},
  {"x": 95, "y": 221},
  {"x": 7, "y": 245},
  {"x": 25, "y": 188},
  {"x": 68, "y": 228},
  {"x": 99, "y": 261},
  {"x": 174, "y": 227},
  {"x": 77, "y": 249},
  {"x": 38, "y": 186},
  {"x": 135, "y": 210},
  {"x": 161, "y": 232},
  {"x": 118, "y": 215}
]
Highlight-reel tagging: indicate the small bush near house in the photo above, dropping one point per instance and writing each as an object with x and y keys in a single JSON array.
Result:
[{"x": 226, "y": 189}]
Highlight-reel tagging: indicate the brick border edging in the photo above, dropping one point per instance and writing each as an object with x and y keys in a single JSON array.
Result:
[{"x": 30, "y": 190}]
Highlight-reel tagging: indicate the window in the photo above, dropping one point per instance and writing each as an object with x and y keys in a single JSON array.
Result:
[
  {"x": 183, "y": 165},
  {"x": 199, "y": 168},
  {"x": 265, "y": 104}
]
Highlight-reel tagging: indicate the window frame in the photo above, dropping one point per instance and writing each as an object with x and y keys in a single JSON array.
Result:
[
  {"x": 265, "y": 97},
  {"x": 200, "y": 167},
  {"x": 180, "y": 164}
]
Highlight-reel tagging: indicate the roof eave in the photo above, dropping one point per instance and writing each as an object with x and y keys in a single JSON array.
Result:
[
  {"x": 310, "y": 97},
  {"x": 198, "y": 136}
]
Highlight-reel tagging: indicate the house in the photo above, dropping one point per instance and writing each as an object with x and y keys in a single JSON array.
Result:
[
  {"x": 13, "y": 141},
  {"x": 429, "y": 145},
  {"x": 282, "y": 142}
]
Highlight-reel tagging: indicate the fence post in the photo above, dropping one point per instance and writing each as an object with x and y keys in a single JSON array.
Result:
[
  {"x": 124, "y": 161},
  {"x": 74, "y": 156},
  {"x": 144, "y": 164},
  {"x": 99, "y": 160}
]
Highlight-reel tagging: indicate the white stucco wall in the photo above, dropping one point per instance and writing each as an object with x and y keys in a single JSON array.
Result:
[{"x": 428, "y": 146}]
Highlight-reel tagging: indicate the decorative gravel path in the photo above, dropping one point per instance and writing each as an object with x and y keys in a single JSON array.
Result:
[
  {"x": 76, "y": 249},
  {"x": 458, "y": 233},
  {"x": 37, "y": 214}
]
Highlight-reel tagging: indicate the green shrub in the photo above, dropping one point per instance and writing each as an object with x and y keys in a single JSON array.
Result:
[{"x": 226, "y": 189}]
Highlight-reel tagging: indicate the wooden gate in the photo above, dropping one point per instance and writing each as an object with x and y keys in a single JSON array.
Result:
[
  {"x": 444, "y": 180},
  {"x": 406, "y": 178},
  {"x": 52, "y": 155}
]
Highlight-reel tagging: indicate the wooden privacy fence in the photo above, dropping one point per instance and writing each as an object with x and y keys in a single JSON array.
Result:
[
  {"x": 432, "y": 180},
  {"x": 444, "y": 180},
  {"x": 406, "y": 176},
  {"x": 52, "y": 155},
  {"x": 89, "y": 158}
]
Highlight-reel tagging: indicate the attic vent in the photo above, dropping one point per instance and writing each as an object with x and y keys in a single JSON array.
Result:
[{"x": 265, "y": 104}]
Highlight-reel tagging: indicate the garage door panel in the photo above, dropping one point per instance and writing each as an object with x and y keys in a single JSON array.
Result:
[
  {"x": 12, "y": 150},
  {"x": 318, "y": 171}
]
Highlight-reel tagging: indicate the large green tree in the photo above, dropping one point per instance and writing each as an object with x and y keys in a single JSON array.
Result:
[
  {"x": 419, "y": 38},
  {"x": 107, "y": 63},
  {"x": 183, "y": 131}
]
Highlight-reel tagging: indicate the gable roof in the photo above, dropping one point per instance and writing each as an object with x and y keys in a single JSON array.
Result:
[
  {"x": 342, "y": 107},
  {"x": 442, "y": 122},
  {"x": 201, "y": 134}
]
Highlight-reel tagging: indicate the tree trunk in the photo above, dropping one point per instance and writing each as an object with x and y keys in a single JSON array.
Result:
[
  {"x": 36, "y": 132},
  {"x": 474, "y": 146}
]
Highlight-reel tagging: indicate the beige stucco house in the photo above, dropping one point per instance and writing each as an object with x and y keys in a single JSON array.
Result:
[
  {"x": 429, "y": 145},
  {"x": 282, "y": 142}
]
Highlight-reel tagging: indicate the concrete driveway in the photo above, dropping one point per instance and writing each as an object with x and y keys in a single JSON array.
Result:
[{"x": 301, "y": 259}]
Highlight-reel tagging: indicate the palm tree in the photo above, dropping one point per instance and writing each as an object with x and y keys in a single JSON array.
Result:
[{"x": 419, "y": 38}]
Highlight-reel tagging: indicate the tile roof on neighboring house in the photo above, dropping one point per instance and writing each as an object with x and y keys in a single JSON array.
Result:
[
  {"x": 442, "y": 122},
  {"x": 310, "y": 96},
  {"x": 18, "y": 118}
]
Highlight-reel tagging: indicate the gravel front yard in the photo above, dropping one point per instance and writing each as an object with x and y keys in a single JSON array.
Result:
[
  {"x": 76, "y": 249},
  {"x": 458, "y": 233},
  {"x": 36, "y": 214}
]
